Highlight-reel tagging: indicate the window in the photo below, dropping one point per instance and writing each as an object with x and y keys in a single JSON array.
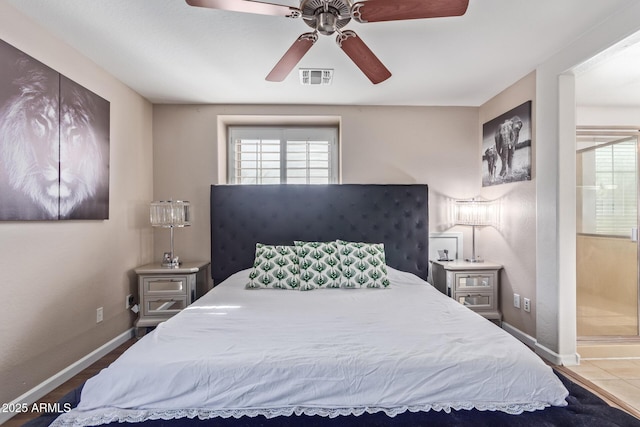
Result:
[
  {"x": 607, "y": 197},
  {"x": 279, "y": 155}
]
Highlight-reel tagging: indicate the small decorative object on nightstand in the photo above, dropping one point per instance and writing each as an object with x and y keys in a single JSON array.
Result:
[
  {"x": 475, "y": 285},
  {"x": 164, "y": 292}
]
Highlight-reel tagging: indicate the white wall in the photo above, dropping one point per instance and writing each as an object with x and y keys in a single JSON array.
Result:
[
  {"x": 608, "y": 116},
  {"x": 555, "y": 189},
  {"x": 56, "y": 274}
]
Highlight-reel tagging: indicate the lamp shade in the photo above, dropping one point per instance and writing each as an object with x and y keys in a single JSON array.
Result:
[
  {"x": 475, "y": 212},
  {"x": 169, "y": 214}
]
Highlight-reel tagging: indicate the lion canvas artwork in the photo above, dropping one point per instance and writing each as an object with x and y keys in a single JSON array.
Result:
[
  {"x": 54, "y": 143},
  {"x": 506, "y": 147}
]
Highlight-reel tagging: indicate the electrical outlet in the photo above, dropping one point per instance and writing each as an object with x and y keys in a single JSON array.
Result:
[
  {"x": 527, "y": 305},
  {"x": 128, "y": 301},
  {"x": 99, "y": 314},
  {"x": 516, "y": 300}
]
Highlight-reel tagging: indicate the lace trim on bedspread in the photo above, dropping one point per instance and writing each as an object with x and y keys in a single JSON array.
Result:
[{"x": 108, "y": 415}]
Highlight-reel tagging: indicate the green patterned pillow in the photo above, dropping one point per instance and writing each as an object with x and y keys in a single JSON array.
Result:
[
  {"x": 319, "y": 265},
  {"x": 274, "y": 267},
  {"x": 362, "y": 265}
]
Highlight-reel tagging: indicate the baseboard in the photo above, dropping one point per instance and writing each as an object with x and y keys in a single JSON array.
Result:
[
  {"x": 525, "y": 338},
  {"x": 556, "y": 358},
  {"x": 542, "y": 351},
  {"x": 67, "y": 373}
]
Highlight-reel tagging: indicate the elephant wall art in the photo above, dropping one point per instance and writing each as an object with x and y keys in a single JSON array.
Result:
[{"x": 506, "y": 147}]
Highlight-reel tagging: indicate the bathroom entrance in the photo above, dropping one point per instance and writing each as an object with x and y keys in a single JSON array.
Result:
[{"x": 607, "y": 234}]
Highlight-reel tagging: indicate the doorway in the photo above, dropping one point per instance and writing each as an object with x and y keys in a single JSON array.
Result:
[
  {"x": 606, "y": 262},
  {"x": 607, "y": 294}
]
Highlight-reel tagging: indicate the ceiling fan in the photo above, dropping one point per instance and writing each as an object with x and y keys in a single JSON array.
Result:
[{"x": 330, "y": 16}]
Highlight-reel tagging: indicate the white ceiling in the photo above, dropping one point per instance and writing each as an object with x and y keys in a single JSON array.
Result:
[
  {"x": 611, "y": 78},
  {"x": 173, "y": 53}
]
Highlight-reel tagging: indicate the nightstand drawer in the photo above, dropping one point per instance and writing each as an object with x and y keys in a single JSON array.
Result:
[
  {"x": 474, "y": 285},
  {"x": 163, "y": 306},
  {"x": 164, "y": 292},
  {"x": 475, "y": 281},
  {"x": 476, "y": 301},
  {"x": 165, "y": 285}
]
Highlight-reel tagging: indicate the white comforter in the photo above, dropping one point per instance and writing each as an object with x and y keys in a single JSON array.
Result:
[{"x": 331, "y": 352}]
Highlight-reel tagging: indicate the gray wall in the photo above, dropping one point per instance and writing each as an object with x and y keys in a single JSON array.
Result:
[
  {"x": 395, "y": 145},
  {"x": 513, "y": 243},
  {"x": 56, "y": 274}
]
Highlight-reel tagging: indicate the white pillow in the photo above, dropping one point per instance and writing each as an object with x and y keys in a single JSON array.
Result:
[
  {"x": 274, "y": 267},
  {"x": 319, "y": 265},
  {"x": 362, "y": 265}
]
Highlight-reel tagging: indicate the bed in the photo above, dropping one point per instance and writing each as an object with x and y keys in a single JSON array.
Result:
[{"x": 389, "y": 351}]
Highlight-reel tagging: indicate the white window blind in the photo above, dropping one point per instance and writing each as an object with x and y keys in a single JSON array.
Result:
[
  {"x": 607, "y": 193},
  {"x": 283, "y": 155},
  {"x": 616, "y": 183}
]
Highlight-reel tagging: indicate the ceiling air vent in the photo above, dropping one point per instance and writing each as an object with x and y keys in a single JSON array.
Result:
[{"x": 309, "y": 76}]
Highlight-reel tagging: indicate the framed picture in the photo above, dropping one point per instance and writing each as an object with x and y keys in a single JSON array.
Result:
[
  {"x": 448, "y": 241},
  {"x": 54, "y": 143},
  {"x": 506, "y": 147}
]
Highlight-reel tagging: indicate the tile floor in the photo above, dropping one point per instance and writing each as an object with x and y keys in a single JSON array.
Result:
[{"x": 620, "y": 377}]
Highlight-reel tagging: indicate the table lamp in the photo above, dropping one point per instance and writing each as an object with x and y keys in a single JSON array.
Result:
[
  {"x": 170, "y": 214},
  {"x": 475, "y": 213}
]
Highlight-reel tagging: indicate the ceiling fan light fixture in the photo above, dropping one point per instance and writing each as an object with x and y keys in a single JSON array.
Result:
[{"x": 315, "y": 76}]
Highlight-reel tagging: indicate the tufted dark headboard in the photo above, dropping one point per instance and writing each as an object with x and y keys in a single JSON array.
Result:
[{"x": 242, "y": 215}]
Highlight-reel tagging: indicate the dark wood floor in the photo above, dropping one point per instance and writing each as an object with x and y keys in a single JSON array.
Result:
[
  {"x": 92, "y": 370},
  {"x": 70, "y": 385}
]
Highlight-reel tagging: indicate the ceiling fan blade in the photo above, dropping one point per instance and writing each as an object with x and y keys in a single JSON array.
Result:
[
  {"x": 397, "y": 10},
  {"x": 295, "y": 53},
  {"x": 362, "y": 56},
  {"x": 248, "y": 6}
]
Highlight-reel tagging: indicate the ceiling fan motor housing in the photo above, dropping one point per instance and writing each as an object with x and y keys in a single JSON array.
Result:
[
  {"x": 326, "y": 24},
  {"x": 326, "y": 16}
]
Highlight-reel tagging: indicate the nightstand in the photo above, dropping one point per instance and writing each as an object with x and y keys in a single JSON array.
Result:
[
  {"x": 473, "y": 284},
  {"x": 163, "y": 292}
]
